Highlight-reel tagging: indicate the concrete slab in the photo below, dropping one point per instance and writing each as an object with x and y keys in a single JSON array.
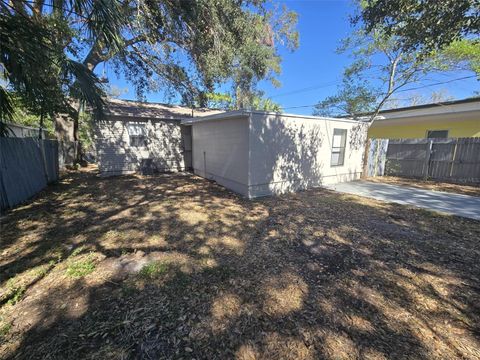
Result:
[{"x": 448, "y": 203}]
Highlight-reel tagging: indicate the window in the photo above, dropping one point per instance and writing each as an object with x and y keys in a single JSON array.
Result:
[
  {"x": 437, "y": 134},
  {"x": 338, "y": 147},
  {"x": 138, "y": 134}
]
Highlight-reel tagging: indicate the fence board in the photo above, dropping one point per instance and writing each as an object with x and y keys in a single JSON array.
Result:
[
  {"x": 26, "y": 165},
  {"x": 449, "y": 159}
]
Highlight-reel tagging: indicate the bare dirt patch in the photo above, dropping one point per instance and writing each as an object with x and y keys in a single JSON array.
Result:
[
  {"x": 464, "y": 189},
  {"x": 173, "y": 266}
]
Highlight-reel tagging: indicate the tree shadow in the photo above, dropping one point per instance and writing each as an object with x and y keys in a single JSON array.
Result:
[{"x": 308, "y": 275}]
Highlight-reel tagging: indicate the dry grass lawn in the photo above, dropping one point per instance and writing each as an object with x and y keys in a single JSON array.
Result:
[{"x": 173, "y": 266}]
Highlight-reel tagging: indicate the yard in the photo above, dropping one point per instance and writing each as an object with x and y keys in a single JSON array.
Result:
[{"x": 173, "y": 266}]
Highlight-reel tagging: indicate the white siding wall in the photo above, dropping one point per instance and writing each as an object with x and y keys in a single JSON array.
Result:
[
  {"x": 291, "y": 153},
  {"x": 116, "y": 156},
  {"x": 220, "y": 152}
]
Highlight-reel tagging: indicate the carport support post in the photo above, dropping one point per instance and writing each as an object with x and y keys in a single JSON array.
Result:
[{"x": 427, "y": 158}]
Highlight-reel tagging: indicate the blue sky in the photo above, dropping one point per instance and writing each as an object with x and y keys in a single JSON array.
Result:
[{"x": 313, "y": 71}]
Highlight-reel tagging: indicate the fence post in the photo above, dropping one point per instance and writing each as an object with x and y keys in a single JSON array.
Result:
[{"x": 427, "y": 158}]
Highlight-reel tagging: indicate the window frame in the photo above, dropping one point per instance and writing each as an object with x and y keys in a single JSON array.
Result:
[
  {"x": 441, "y": 130},
  {"x": 340, "y": 150},
  {"x": 137, "y": 139}
]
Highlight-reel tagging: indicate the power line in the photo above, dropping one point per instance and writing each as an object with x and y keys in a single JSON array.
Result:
[
  {"x": 438, "y": 83},
  {"x": 402, "y": 90},
  {"x": 310, "y": 88}
]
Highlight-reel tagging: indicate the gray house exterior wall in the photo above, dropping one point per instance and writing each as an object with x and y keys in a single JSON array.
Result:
[
  {"x": 220, "y": 152},
  {"x": 115, "y": 155},
  {"x": 259, "y": 154},
  {"x": 289, "y": 153}
]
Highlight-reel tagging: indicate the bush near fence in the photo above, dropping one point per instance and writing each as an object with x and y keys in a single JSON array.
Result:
[
  {"x": 452, "y": 159},
  {"x": 27, "y": 165}
]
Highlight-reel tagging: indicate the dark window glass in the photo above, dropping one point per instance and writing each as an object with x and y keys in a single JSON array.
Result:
[
  {"x": 338, "y": 147},
  {"x": 437, "y": 134},
  {"x": 138, "y": 134}
]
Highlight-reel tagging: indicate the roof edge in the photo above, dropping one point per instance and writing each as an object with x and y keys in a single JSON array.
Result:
[
  {"x": 425, "y": 106},
  {"x": 246, "y": 113}
]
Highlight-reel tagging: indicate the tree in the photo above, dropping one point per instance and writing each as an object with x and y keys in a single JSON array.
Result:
[
  {"x": 462, "y": 54},
  {"x": 225, "y": 101},
  {"x": 351, "y": 99},
  {"x": 416, "y": 98},
  {"x": 50, "y": 49},
  {"x": 425, "y": 25},
  {"x": 381, "y": 68}
]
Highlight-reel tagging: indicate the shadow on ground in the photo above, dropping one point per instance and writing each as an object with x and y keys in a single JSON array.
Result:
[{"x": 173, "y": 266}]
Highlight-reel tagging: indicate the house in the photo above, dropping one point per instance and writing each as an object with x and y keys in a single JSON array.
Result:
[
  {"x": 136, "y": 136},
  {"x": 260, "y": 153},
  {"x": 460, "y": 118}
]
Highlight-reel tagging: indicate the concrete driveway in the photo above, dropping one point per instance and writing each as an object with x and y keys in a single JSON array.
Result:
[{"x": 449, "y": 203}]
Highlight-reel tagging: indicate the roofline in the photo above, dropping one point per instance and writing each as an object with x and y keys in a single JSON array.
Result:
[
  {"x": 163, "y": 104},
  {"x": 147, "y": 102},
  {"x": 247, "y": 113},
  {"x": 424, "y": 106},
  {"x": 226, "y": 114},
  {"x": 117, "y": 117}
]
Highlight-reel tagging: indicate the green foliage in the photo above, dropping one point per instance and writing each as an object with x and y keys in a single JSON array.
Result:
[
  {"x": 51, "y": 50},
  {"x": 35, "y": 64},
  {"x": 5, "y": 329},
  {"x": 222, "y": 101},
  {"x": 463, "y": 54},
  {"x": 16, "y": 292},
  {"x": 380, "y": 68},
  {"x": 424, "y": 25},
  {"x": 85, "y": 130},
  {"x": 22, "y": 116},
  {"x": 153, "y": 270},
  {"x": 78, "y": 251},
  {"x": 255, "y": 101},
  {"x": 351, "y": 99},
  {"x": 80, "y": 268},
  {"x": 259, "y": 103}
]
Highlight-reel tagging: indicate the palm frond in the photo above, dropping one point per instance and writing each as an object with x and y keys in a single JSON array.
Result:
[{"x": 87, "y": 87}]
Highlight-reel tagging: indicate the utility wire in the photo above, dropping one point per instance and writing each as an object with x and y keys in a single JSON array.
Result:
[
  {"x": 310, "y": 88},
  {"x": 402, "y": 90}
]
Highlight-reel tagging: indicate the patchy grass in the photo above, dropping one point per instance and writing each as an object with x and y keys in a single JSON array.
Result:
[
  {"x": 181, "y": 268},
  {"x": 80, "y": 267},
  {"x": 4, "y": 330},
  {"x": 154, "y": 270},
  {"x": 16, "y": 294},
  {"x": 465, "y": 189}
]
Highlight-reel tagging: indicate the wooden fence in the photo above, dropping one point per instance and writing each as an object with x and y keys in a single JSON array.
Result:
[
  {"x": 456, "y": 160},
  {"x": 27, "y": 165}
]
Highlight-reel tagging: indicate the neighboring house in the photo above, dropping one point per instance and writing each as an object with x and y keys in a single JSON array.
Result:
[
  {"x": 148, "y": 137},
  {"x": 455, "y": 119},
  {"x": 259, "y": 153}
]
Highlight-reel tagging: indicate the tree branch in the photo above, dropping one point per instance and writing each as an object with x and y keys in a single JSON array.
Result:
[{"x": 95, "y": 56}]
